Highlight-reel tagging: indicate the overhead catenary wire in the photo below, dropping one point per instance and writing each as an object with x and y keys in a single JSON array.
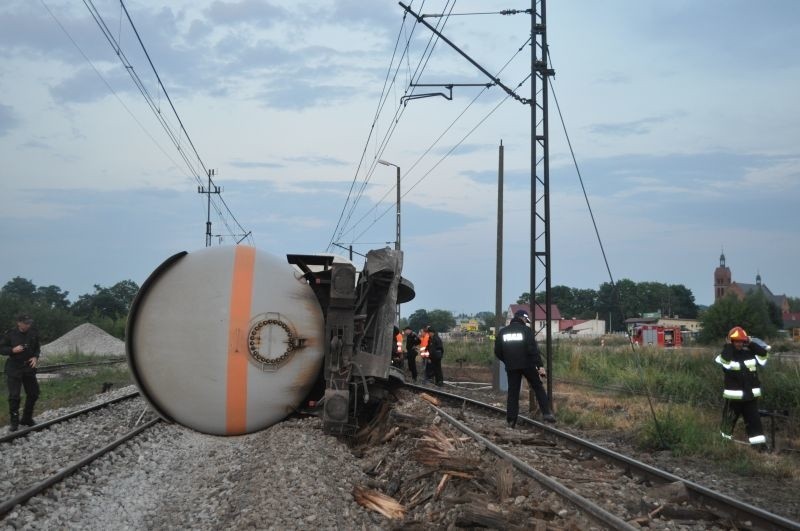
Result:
[
  {"x": 155, "y": 108},
  {"x": 344, "y": 220},
  {"x": 110, "y": 88},
  {"x": 395, "y": 120},
  {"x": 435, "y": 142},
  {"x": 614, "y": 287},
  {"x": 445, "y": 156}
]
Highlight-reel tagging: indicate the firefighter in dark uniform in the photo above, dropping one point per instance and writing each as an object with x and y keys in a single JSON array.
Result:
[
  {"x": 412, "y": 345},
  {"x": 21, "y": 345},
  {"x": 516, "y": 347},
  {"x": 740, "y": 359}
]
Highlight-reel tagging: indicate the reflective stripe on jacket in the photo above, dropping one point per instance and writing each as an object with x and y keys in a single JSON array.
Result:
[{"x": 740, "y": 368}]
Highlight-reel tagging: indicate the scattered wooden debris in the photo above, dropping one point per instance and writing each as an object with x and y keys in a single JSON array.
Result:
[
  {"x": 390, "y": 435},
  {"x": 439, "y": 451},
  {"x": 430, "y": 398},
  {"x": 378, "y": 502},
  {"x": 440, "y": 487},
  {"x": 411, "y": 421},
  {"x": 480, "y": 512},
  {"x": 505, "y": 480}
]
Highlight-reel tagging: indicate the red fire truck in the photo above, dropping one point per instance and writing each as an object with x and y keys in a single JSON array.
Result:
[{"x": 657, "y": 335}]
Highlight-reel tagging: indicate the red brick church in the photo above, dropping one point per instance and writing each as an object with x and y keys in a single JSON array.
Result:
[{"x": 723, "y": 286}]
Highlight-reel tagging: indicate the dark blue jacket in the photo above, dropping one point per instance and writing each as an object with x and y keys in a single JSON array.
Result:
[
  {"x": 14, "y": 337},
  {"x": 516, "y": 347}
]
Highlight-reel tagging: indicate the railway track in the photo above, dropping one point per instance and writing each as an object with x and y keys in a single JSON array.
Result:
[
  {"x": 608, "y": 486},
  {"x": 63, "y": 418},
  {"x": 41, "y": 456}
]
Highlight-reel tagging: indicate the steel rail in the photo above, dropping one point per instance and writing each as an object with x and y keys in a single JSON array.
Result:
[
  {"x": 42, "y": 425},
  {"x": 55, "y": 367},
  {"x": 595, "y": 511},
  {"x": 7, "y": 505},
  {"x": 79, "y": 364},
  {"x": 731, "y": 507}
]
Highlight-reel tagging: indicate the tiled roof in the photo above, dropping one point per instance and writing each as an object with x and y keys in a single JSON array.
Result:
[{"x": 539, "y": 314}]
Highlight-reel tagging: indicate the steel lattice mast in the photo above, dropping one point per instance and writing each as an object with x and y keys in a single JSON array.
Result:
[{"x": 540, "y": 177}]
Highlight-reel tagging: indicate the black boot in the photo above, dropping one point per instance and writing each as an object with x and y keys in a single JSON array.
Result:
[
  {"x": 13, "y": 424},
  {"x": 27, "y": 415}
]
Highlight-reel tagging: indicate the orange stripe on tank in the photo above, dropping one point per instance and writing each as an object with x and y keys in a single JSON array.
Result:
[{"x": 241, "y": 299}]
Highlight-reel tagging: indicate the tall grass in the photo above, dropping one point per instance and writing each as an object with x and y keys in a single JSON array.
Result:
[{"x": 685, "y": 390}]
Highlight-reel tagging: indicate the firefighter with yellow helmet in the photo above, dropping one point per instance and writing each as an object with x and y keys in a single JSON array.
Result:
[{"x": 740, "y": 359}]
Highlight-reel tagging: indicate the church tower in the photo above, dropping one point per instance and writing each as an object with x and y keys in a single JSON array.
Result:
[{"x": 722, "y": 279}]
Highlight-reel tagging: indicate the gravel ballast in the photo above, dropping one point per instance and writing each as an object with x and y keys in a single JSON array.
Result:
[{"x": 290, "y": 476}]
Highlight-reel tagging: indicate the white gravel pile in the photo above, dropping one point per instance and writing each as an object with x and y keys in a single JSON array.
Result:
[
  {"x": 88, "y": 339},
  {"x": 290, "y": 476}
]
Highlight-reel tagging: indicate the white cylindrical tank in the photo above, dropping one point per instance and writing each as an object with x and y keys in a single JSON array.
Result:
[{"x": 226, "y": 340}]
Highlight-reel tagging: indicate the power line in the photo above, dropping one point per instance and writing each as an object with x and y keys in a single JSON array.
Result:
[
  {"x": 155, "y": 108},
  {"x": 398, "y": 113},
  {"x": 435, "y": 142}
]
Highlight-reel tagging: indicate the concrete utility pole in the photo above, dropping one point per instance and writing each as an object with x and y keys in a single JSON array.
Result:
[
  {"x": 397, "y": 235},
  {"x": 499, "y": 321}
]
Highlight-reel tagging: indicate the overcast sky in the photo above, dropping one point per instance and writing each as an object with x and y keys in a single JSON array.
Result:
[{"x": 683, "y": 116}]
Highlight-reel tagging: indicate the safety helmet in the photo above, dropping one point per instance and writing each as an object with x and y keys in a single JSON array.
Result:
[{"x": 737, "y": 333}]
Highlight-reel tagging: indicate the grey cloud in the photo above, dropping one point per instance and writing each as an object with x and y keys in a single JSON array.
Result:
[
  {"x": 255, "y": 164},
  {"x": 254, "y": 12},
  {"x": 318, "y": 161},
  {"x": 297, "y": 95},
  {"x": 614, "y": 78},
  {"x": 464, "y": 149},
  {"x": 637, "y": 127},
  {"x": 36, "y": 144},
  {"x": 8, "y": 119},
  {"x": 186, "y": 57},
  {"x": 85, "y": 86}
]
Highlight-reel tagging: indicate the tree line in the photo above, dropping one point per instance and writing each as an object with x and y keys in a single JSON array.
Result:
[
  {"x": 626, "y": 299},
  {"x": 55, "y": 315},
  {"x": 108, "y": 308}
]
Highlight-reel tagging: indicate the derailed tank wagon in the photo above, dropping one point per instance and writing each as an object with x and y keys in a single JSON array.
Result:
[{"x": 230, "y": 340}]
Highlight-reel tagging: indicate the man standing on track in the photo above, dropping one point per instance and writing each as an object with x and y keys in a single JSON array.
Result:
[
  {"x": 515, "y": 346},
  {"x": 21, "y": 345}
]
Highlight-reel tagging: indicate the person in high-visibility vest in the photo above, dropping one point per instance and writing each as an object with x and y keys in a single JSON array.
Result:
[
  {"x": 741, "y": 358},
  {"x": 397, "y": 351},
  {"x": 424, "y": 338}
]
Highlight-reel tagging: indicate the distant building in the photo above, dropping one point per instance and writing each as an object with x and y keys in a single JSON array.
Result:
[
  {"x": 688, "y": 325},
  {"x": 558, "y": 326},
  {"x": 791, "y": 323},
  {"x": 723, "y": 285},
  {"x": 538, "y": 318},
  {"x": 582, "y": 327}
]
